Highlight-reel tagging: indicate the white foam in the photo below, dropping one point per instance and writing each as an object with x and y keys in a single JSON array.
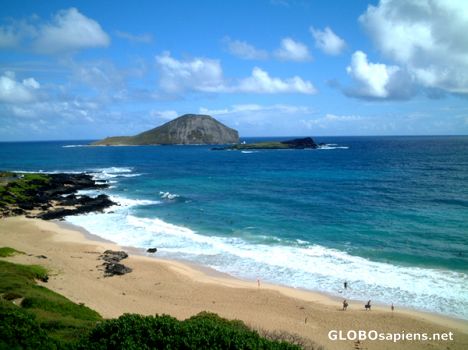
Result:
[
  {"x": 168, "y": 195},
  {"x": 112, "y": 172},
  {"x": 308, "y": 266},
  {"x": 332, "y": 146},
  {"x": 128, "y": 202},
  {"x": 72, "y": 146}
]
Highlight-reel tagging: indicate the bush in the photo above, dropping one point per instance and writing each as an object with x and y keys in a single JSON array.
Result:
[
  {"x": 19, "y": 330},
  {"x": 204, "y": 331}
]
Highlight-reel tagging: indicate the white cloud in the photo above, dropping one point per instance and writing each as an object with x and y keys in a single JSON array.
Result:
[
  {"x": 425, "y": 37},
  {"x": 144, "y": 38},
  {"x": 167, "y": 114},
  {"x": 206, "y": 75},
  {"x": 244, "y": 50},
  {"x": 197, "y": 74},
  {"x": 327, "y": 41},
  {"x": 249, "y": 108},
  {"x": 261, "y": 82},
  {"x": 377, "y": 80},
  {"x": 13, "y": 91},
  {"x": 291, "y": 50},
  {"x": 68, "y": 31}
]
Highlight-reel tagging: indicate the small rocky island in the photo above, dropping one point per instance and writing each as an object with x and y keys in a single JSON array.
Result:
[
  {"x": 49, "y": 196},
  {"x": 189, "y": 129},
  {"x": 302, "y": 143}
]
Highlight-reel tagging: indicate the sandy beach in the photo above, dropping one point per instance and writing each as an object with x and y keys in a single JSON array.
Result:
[{"x": 159, "y": 286}]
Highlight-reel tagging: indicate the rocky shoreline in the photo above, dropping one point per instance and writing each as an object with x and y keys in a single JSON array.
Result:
[{"x": 49, "y": 196}]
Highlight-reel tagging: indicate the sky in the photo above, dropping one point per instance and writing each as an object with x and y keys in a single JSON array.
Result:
[{"x": 72, "y": 70}]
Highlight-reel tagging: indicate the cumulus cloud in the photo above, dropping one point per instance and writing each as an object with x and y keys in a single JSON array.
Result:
[
  {"x": 13, "y": 91},
  {"x": 144, "y": 38},
  {"x": 244, "y": 50},
  {"x": 291, "y": 50},
  {"x": 261, "y": 82},
  {"x": 327, "y": 41},
  {"x": 206, "y": 75},
  {"x": 166, "y": 114},
  {"x": 198, "y": 74},
  {"x": 425, "y": 37},
  {"x": 377, "y": 80},
  {"x": 68, "y": 31}
]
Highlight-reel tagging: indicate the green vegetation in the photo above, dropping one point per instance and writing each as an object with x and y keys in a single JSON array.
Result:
[
  {"x": 20, "y": 187},
  {"x": 7, "y": 251},
  {"x": 29, "y": 311},
  {"x": 203, "y": 331},
  {"x": 34, "y": 317}
]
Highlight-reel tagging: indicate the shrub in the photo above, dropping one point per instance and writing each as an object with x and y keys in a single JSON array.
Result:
[
  {"x": 204, "y": 331},
  {"x": 19, "y": 330}
]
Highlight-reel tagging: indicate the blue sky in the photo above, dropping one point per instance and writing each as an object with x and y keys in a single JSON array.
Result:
[{"x": 90, "y": 69}]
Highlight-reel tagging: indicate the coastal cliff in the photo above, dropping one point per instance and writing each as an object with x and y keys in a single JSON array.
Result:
[{"x": 189, "y": 129}]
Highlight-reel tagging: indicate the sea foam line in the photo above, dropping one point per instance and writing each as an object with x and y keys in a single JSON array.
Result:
[{"x": 312, "y": 267}]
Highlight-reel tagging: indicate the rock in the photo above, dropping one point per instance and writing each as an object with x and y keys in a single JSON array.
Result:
[
  {"x": 189, "y": 129},
  {"x": 41, "y": 257},
  {"x": 306, "y": 142},
  {"x": 112, "y": 265},
  {"x": 45, "y": 279},
  {"x": 112, "y": 269},
  {"x": 151, "y": 250},
  {"x": 113, "y": 256}
]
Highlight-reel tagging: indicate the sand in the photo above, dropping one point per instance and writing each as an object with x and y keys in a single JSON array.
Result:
[{"x": 159, "y": 286}]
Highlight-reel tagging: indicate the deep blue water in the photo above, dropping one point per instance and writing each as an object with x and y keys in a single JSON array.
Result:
[{"x": 387, "y": 214}]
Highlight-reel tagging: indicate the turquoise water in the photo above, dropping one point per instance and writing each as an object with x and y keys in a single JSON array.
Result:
[{"x": 387, "y": 214}]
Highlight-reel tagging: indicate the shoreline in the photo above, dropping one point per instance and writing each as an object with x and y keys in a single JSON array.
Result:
[
  {"x": 324, "y": 296},
  {"x": 182, "y": 289}
]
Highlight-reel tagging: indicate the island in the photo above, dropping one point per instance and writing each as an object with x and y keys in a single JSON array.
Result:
[
  {"x": 301, "y": 143},
  {"x": 189, "y": 129}
]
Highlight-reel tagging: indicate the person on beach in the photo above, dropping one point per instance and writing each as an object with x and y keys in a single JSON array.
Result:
[
  {"x": 345, "y": 284},
  {"x": 258, "y": 282},
  {"x": 345, "y": 305},
  {"x": 392, "y": 307},
  {"x": 368, "y": 305}
]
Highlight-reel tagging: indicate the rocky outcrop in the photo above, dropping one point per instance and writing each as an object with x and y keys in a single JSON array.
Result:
[
  {"x": 302, "y": 143},
  {"x": 306, "y": 142},
  {"x": 51, "y": 196},
  {"x": 189, "y": 129}
]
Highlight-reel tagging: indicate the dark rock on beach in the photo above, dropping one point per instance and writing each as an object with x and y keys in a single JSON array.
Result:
[
  {"x": 152, "y": 250},
  {"x": 112, "y": 265}
]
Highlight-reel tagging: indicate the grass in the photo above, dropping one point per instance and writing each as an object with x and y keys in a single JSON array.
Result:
[
  {"x": 34, "y": 317},
  {"x": 20, "y": 187},
  {"x": 62, "y": 320},
  {"x": 7, "y": 251}
]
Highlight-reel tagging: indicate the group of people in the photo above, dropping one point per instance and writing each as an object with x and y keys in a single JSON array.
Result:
[{"x": 367, "y": 306}]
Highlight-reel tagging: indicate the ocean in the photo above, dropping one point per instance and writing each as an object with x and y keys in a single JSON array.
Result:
[{"x": 389, "y": 215}]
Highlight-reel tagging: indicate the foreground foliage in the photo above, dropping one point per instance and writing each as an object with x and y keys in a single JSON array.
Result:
[
  {"x": 203, "y": 331},
  {"x": 29, "y": 311},
  {"x": 34, "y": 317}
]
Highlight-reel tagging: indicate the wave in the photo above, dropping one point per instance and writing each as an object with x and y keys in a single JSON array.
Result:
[
  {"x": 128, "y": 202},
  {"x": 168, "y": 195},
  {"x": 72, "y": 146},
  {"x": 303, "y": 265},
  {"x": 332, "y": 146},
  {"x": 112, "y": 172}
]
